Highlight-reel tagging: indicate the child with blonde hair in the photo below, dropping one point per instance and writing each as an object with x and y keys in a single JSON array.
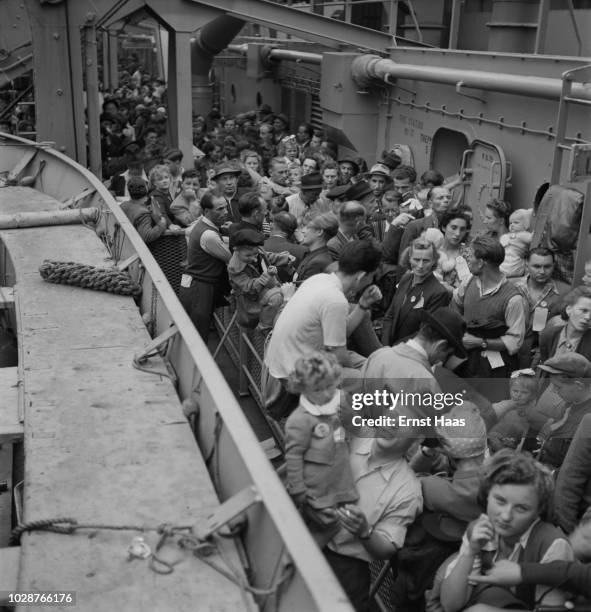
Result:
[
  {"x": 516, "y": 242},
  {"x": 513, "y": 425},
  {"x": 319, "y": 477}
]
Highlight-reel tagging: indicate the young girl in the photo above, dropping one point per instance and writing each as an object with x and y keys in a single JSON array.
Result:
[
  {"x": 318, "y": 473},
  {"x": 516, "y": 243},
  {"x": 516, "y": 490},
  {"x": 512, "y": 425}
]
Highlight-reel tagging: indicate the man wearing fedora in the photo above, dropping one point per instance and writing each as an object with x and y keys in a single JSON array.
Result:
[
  {"x": 225, "y": 177},
  {"x": 348, "y": 169},
  {"x": 408, "y": 367},
  {"x": 378, "y": 178},
  {"x": 304, "y": 203}
]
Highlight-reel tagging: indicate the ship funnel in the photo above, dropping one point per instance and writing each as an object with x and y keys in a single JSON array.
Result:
[{"x": 211, "y": 39}]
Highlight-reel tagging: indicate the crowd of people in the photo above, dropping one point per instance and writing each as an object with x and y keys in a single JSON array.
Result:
[{"x": 368, "y": 280}]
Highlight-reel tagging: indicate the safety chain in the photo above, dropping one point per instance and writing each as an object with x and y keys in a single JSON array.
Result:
[{"x": 89, "y": 277}]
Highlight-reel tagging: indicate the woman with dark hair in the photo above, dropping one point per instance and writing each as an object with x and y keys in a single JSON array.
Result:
[
  {"x": 515, "y": 489},
  {"x": 495, "y": 218},
  {"x": 452, "y": 268},
  {"x": 318, "y": 231}
]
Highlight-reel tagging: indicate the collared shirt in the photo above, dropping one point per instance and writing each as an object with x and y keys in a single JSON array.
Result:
[
  {"x": 211, "y": 242},
  {"x": 548, "y": 297},
  {"x": 389, "y": 496},
  {"x": 565, "y": 345},
  {"x": 315, "y": 317},
  {"x": 515, "y": 316},
  {"x": 417, "y": 347}
]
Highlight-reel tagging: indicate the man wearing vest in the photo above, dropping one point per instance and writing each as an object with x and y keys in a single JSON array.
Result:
[
  {"x": 205, "y": 282},
  {"x": 494, "y": 312}
]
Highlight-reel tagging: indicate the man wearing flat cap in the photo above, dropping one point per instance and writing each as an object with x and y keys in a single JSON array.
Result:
[{"x": 570, "y": 375}]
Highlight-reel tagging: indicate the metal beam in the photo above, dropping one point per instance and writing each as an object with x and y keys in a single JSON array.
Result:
[
  {"x": 92, "y": 101},
  {"x": 324, "y": 30},
  {"x": 179, "y": 94}
]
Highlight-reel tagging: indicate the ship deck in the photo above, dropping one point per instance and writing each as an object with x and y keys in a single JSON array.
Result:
[{"x": 104, "y": 443}]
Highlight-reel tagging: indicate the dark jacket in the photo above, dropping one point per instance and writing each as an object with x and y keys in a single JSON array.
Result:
[
  {"x": 571, "y": 576},
  {"x": 144, "y": 220},
  {"x": 572, "y": 495},
  {"x": 403, "y": 317},
  {"x": 278, "y": 244},
  {"x": 549, "y": 342},
  {"x": 415, "y": 228},
  {"x": 314, "y": 262}
]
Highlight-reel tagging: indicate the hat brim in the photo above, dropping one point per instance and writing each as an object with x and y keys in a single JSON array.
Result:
[
  {"x": 311, "y": 187},
  {"x": 357, "y": 196},
  {"x": 350, "y": 161},
  {"x": 337, "y": 192},
  {"x": 459, "y": 349},
  {"x": 550, "y": 369},
  {"x": 234, "y": 172}
]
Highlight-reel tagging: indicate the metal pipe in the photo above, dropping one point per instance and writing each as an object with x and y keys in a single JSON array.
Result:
[
  {"x": 297, "y": 56},
  {"x": 367, "y": 68},
  {"x": 282, "y": 54},
  {"x": 48, "y": 217}
]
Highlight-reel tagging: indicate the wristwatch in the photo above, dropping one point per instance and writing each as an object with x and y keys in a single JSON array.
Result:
[{"x": 484, "y": 344}]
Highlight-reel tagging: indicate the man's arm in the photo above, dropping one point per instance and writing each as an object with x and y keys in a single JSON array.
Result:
[
  {"x": 515, "y": 318},
  {"x": 211, "y": 242}
]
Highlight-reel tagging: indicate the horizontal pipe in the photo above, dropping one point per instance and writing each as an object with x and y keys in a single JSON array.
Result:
[
  {"x": 48, "y": 217},
  {"x": 282, "y": 54},
  {"x": 297, "y": 56},
  {"x": 368, "y": 68}
]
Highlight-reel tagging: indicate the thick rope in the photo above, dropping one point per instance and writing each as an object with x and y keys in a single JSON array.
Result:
[
  {"x": 89, "y": 277},
  {"x": 187, "y": 540}
]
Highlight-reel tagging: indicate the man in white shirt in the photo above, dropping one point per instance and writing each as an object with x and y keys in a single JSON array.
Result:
[{"x": 318, "y": 317}]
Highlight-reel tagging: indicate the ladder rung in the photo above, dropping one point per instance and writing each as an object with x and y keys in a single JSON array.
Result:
[
  {"x": 564, "y": 147},
  {"x": 577, "y": 101}
]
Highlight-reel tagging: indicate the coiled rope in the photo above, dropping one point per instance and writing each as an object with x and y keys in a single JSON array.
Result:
[
  {"x": 186, "y": 539},
  {"x": 89, "y": 277}
]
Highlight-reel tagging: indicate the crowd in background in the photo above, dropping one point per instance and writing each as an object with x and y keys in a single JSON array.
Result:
[{"x": 372, "y": 277}]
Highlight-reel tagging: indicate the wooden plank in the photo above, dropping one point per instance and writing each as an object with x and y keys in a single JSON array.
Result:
[
  {"x": 5, "y": 493},
  {"x": 104, "y": 443},
  {"x": 9, "y": 559},
  {"x": 22, "y": 164},
  {"x": 6, "y": 297},
  {"x": 10, "y": 428}
]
